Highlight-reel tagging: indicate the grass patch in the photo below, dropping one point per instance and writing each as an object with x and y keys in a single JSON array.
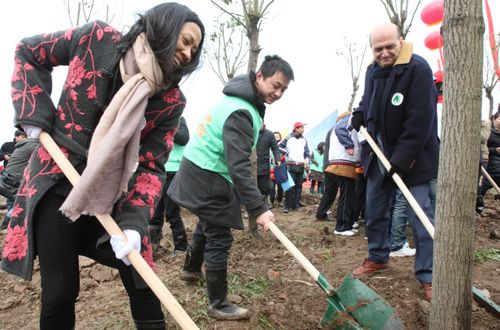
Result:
[
  {"x": 489, "y": 254},
  {"x": 327, "y": 256},
  {"x": 247, "y": 289},
  {"x": 299, "y": 239},
  {"x": 264, "y": 323}
]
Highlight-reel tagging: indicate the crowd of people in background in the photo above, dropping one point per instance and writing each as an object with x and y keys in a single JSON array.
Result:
[{"x": 211, "y": 176}]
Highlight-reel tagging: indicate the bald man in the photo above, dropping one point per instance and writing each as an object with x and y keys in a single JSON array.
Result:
[{"x": 398, "y": 108}]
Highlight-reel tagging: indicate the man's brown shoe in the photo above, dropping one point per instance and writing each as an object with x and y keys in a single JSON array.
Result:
[
  {"x": 369, "y": 268},
  {"x": 427, "y": 291}
]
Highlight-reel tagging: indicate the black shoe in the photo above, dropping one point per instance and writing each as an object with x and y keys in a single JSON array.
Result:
[
  {"x": 188, "y": 276},
  {"x": 220, "y": 308},
  {"x": 327, "y": 218},
  {"x": 286, "y": 210}
]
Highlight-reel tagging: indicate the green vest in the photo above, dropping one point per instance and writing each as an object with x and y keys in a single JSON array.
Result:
[
  {"x": 206, "y": 148},
  {"x": 319, "y": 159},
  {"x": 174, "y": 159}
]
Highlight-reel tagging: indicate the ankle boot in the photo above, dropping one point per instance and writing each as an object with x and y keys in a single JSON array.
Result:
[
  {"x": 220, "y": 308},
  {"x": 191, "y": 272},
  {"x": 179, "y": 236},
  {"x": 150, "y": 325}
]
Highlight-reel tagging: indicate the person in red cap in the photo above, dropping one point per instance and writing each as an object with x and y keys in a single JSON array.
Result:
[{"x": 297, "y": 152}]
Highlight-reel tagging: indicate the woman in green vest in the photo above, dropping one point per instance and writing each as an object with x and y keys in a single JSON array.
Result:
[{"x": 316, "y": 175}]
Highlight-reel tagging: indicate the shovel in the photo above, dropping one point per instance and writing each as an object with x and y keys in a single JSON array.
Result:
[
  {"x": 477, "y": 294},
  {"x": 135, "y": 258},
  {"x": 353, "y": 305}
]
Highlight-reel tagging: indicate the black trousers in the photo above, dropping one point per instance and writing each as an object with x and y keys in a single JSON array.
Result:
[
  {"x": 58, "y": 243},
  {"x": 273, "y": 195},
  {"x": 217, "y": 242},
  {"x": 345, "y": 205},
  {"x": 167, "y": 207},
  {"x": 292, "y": 195},
  {"x": 360, "y": 199},
  {"x": 264, "y": 183},
  {"x": 331, "y": 188}
]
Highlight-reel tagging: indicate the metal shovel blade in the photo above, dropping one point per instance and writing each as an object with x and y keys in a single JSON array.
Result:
[{"x": 362, "y": 304}]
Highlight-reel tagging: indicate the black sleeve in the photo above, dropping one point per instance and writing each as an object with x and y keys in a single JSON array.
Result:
[
  {"x": 181, "y": 137},
  {"x": 238, "y": 138},
  {"x": 275, "y": 149}
]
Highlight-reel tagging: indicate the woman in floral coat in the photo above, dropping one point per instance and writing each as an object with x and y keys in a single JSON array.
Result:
[{"x": 92, "y": 53}]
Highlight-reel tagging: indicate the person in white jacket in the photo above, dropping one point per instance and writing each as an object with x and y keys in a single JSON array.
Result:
[{"x": 343, "y": 157}]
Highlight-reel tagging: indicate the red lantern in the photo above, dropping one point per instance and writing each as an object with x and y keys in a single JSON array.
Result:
[
  {"x": 433, "y": 12},
  {"x": 434, "y": 40}
]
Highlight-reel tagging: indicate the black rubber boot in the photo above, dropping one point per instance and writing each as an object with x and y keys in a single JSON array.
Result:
[
  {"x": 150, "y": 325},
  {"x": 155, "y": 234},
  {"x": 220, "y": 308},
  {"x": 191, "y": 272},
  {"x": 479, "y": 204},
  {"x": 179, "y": 236}
]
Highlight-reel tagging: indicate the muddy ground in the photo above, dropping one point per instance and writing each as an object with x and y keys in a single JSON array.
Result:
[{"x": 264, "y": 277}]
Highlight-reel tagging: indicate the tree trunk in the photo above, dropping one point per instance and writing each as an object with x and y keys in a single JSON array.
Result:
[
  {"x": 463, "y": 29},
  {"x": 355, "y": 88},
  {"x": 253, "y": 37}
]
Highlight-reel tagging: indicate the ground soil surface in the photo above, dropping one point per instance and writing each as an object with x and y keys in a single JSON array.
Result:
[{"x": 264, "y": 277}]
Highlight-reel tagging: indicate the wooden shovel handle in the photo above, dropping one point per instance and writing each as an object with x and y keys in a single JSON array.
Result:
[
  {"x": 135, "y": 258},
  {"x": 401, "y": 185},
  {"x": 490, "y": 179},
  {"x": 303, "y": 261}
]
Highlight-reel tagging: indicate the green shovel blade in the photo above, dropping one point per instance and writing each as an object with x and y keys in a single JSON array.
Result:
[{"x": 361, "y": 308}]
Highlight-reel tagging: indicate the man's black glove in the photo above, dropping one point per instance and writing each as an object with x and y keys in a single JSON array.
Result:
[
  {"x": 388, "y": 181},
  {"x": 357, "y": 120}
]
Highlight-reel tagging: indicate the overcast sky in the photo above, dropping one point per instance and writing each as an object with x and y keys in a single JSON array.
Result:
[{"x": 305, "y": 33}]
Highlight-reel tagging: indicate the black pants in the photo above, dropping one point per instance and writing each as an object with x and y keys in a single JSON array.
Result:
[
  {"x": 360, "y": 199},
  {"x": 331, "y": 188},
  {"x": 292, "y": 195},
  {"x": 167, "y": 207},
  {"x": 273, "y": 195},
  {"x": 58, "y": 243},
  {"x": 217, "y": 242},
  {"x": 264, "y": 183},
  {"x": 345, "y": 206}
]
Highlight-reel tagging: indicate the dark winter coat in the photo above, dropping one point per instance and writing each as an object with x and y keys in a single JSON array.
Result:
[
  {"x": 7, "y": 149},
  {"x": 407, "y": 131},
  {"x": 493, "y": 145},
  {"x": 20, "y": 156},
  {"x": 266, "y": 142},
  {"x": 91, "y": 54}
]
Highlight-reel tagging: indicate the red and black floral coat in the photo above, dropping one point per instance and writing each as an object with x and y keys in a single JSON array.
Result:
[{"x": 91, "y": 55}]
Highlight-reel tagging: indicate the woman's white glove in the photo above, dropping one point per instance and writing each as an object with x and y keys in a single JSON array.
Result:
[
  {"x": 122, "y": 248},
  {"x": 32, "y": 132}
]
